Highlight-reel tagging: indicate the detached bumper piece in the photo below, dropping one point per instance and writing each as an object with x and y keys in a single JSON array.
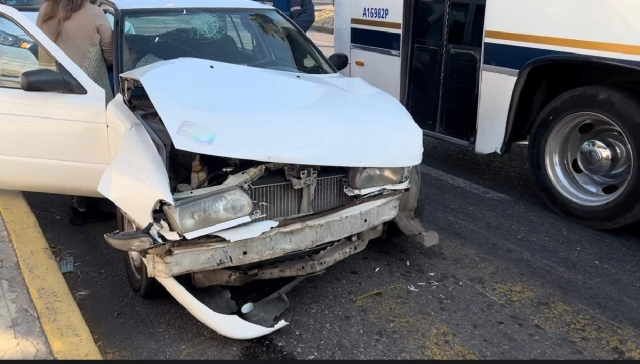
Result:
[
  {"x": 412, "y": 227},
  {"x": 231, "y": 326},
  {"x": 132, "y": 241}
]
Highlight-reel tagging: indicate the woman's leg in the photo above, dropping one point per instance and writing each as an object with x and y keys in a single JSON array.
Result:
[{"x": 86, "y": 210}]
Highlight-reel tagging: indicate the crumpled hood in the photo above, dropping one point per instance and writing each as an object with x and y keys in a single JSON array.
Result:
[{"x": 272, "y": 116}]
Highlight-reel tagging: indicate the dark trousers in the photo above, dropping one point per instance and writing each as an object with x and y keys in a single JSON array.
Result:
[{"x": 86, "y": 203}]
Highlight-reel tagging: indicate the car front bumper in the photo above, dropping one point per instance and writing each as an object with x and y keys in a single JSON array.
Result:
[{"x": 289, "y": 237}]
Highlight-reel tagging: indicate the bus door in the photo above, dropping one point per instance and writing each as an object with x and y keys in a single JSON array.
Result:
[{"x": 441, "y": 70}]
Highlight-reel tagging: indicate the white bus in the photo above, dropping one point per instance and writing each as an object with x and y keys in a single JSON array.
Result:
[{"x": 562, "y": 75}]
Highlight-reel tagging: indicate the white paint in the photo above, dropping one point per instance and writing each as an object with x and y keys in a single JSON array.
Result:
[
  {"x": 459, "y": 182},
  {"x": 495, "y": 98},
  {"x": 230, "y": 326},
  {"x": 291, "y": 117},
  {"x": 41, "y": 133},
  {"x": 382, "y": 71},
  {"x": 136, "y": 180},
  {"x": 50, "y": 176},
  {"x": 169, "y": 4},
  {"x": 395, "y": 10},
  {"x": 167, "y": 233},
  {"x": 217, "y": 227},
  {"x": 342, "y": 32},
  {"x": 248, "y": 231},
  {"x": 609, "y": 21}
]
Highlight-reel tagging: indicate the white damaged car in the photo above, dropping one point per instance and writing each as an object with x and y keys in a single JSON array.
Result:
[{"x": 234, "y": 150}]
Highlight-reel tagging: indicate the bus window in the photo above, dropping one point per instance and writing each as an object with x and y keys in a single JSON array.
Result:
[
  {"x": 477, "y": 32},
  {"x": 457, "y": 23},
  {"x": 459, "y": 101},
  {"x": 425, "y": 65},
  {"x": 429, "y": 20}
]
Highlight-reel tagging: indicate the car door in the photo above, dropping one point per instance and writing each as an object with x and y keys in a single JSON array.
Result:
[{"x": 51, "y": 141}]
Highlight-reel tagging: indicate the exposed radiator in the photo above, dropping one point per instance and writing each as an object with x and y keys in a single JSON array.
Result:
[{"x": 282, "y": 200}]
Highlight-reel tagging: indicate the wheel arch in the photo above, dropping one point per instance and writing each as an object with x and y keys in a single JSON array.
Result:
[{"x": 543, "y": 79}]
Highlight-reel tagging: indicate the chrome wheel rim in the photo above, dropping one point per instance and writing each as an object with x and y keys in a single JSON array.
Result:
[
  {"x": 135, "y": 259},
  {"x": 588, "y": 159}
]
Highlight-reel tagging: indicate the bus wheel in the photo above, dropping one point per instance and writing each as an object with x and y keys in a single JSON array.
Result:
[{"x": 585, "y": 155}]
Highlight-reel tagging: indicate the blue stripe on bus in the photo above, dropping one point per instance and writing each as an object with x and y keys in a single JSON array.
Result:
[
  {"x": 375, "y": 38},
  {"x": 516, "y": 57}
]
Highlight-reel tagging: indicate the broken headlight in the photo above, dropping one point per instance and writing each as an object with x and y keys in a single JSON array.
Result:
[
  {"x": 361, "y": 178},
  {"x": 213, "y": 208}
]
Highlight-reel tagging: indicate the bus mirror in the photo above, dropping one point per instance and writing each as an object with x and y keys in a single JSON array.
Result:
[{"x": 339, "y": 60}]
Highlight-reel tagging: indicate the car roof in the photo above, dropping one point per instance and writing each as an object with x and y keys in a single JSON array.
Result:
[{"x": 173, "y": 4}]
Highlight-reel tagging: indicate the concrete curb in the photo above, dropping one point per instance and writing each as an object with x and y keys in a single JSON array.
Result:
[
  {"x": 61, "y": 320},
  {"x": 321, "y": 29}
]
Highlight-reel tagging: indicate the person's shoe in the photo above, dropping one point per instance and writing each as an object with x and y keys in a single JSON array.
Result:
[{"x": 90, "y": 216}]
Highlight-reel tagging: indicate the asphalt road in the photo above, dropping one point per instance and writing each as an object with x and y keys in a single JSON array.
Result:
[{"x": 509, "y": 280}]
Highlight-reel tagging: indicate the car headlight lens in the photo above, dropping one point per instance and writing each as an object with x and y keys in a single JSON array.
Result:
[
  {"x": 200, "y": 212},
  {"x": 360, "y": 178}
]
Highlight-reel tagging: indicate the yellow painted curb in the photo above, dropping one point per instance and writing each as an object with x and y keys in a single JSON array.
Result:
[{"x": 63, "y": 325}]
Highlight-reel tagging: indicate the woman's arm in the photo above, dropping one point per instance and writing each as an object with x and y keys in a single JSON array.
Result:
[{"x": 106, "y": 34}]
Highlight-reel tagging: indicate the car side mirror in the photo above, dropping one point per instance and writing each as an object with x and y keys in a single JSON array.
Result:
[
  {"x": 47, "y": 80},
  {"x": 339, "y": 60},
  {"x": 42, "y": 80}
]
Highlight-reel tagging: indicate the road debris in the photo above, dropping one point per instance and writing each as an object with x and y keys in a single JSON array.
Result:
[
  {"x": 377, "y": 292},
  {"x": 407, "y": 262},
  {"x": 66, "y": 265},
  {"x": 377, "y": 269},
  {"x": 421, "y": 284},
  {"x": 81, "y": 293},
  {"x": 412, "y": 288},
  {"x": 432, "y": 274}
]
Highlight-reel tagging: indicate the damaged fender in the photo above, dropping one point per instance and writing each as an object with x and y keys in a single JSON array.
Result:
[
  {"x": 136, "y": 180},
  {"x": 410, "y": 212}
]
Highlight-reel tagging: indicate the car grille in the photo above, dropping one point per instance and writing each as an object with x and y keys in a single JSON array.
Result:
[{"x": 282, "y": 200}]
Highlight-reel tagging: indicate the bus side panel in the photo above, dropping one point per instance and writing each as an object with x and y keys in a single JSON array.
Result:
[
  {"x": 382, "y": 71},
  {"x": 342, "y": 31},
  {"x": 375, "y": 37},
  {"x": 495, "y": 97},
  {"x": 519, "y": 31}
]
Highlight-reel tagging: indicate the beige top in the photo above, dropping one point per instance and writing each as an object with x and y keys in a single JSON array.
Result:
[
  {"x": 86, "y": 38},
  {"x": 86, "y": 29}
]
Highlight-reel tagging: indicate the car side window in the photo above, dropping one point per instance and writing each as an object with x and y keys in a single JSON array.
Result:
[{"x": 19, "y": 53}]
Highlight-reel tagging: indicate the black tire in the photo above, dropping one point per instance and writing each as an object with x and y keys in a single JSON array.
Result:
[
  {"x": 621, "y": 108},
  {"x": 141, "y": 284}
]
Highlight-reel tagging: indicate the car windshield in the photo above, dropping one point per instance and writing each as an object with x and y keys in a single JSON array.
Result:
[{"x": 256, "y": 38}]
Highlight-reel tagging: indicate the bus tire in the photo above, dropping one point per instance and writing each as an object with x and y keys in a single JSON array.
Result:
[{"x": 584, "y": 152}]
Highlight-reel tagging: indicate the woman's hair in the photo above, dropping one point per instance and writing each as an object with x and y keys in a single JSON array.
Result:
[{"x": 61, "y": 11}]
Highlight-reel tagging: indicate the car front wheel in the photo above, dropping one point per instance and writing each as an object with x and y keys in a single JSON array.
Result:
[
  {"x": 143, "y": 285},
  {"x": 585, "y": 156}
]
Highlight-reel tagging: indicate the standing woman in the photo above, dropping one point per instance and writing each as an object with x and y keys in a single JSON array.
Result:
[{"x": 84, "y": 34}]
